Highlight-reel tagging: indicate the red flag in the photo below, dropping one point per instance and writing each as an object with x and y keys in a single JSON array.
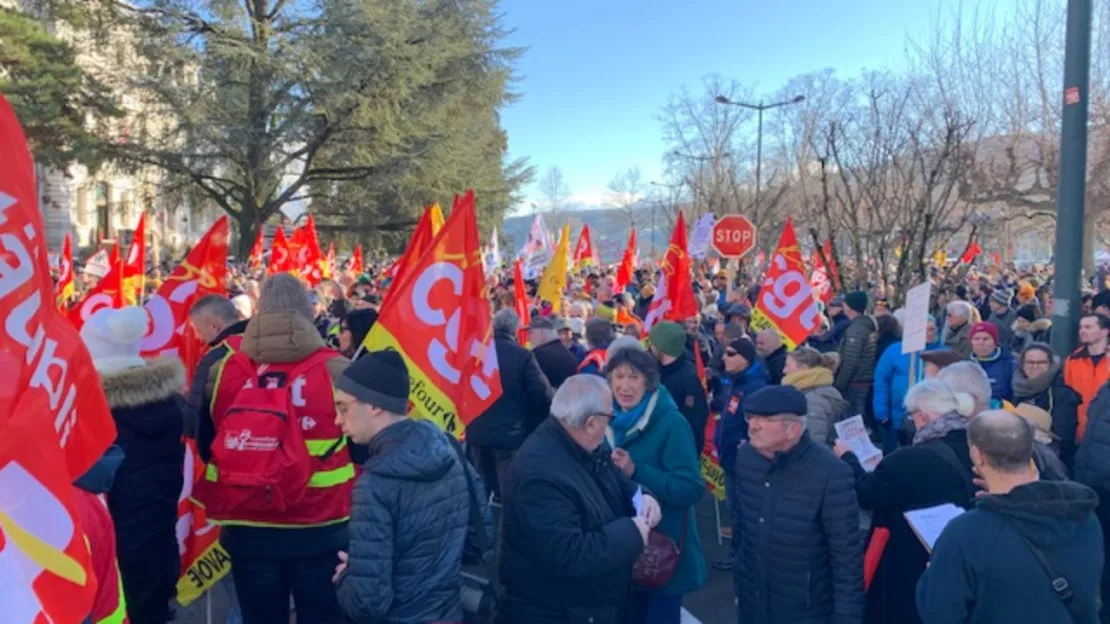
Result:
[
  {"x": 627, "y": 266},
  {"x": 65, "y": 287},
  {"x": 583, "y": 249},
  {"x": 819, "y": 280},
  {"x": 280, "y": 258},
  {"x": 46, "y": 574},
  {"x": 420, "y": 242},
  {"x": 329, "y": 262},
  {"x": 971, "y": 253},
  {"x": 997, "y": 260},
  {"x": 202, "y": 272},
  {"x": 255, "y": 257},
  {"x": 108, "y": 292},
  {"x": 520, "y": 301},
  {"x": 674, "y": 298},
  {"x": 699, "y": 366},
  {"x": 203, "y": 560},
  {"x": 439, "y": 321},
  {"x": 356, "y": 261},
  {"x": 308, "y": 255},
  {"x": 786, "y": 302},
  {"x": 134, "y": 268}
]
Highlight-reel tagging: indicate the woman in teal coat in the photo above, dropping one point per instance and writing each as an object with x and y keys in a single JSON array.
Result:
[{"x": 653, "y": 445}]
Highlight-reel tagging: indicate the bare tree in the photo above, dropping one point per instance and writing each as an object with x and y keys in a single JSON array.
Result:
[
  {"x": 556, "y": 195},
  {"x": 625, "y": 190}
]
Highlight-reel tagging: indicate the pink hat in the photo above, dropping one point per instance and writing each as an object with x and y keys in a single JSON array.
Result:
[{"x": 985, "y": 327}]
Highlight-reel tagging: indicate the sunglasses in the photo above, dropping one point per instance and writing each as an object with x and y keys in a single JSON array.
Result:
[{"x": 731, "y": 353}]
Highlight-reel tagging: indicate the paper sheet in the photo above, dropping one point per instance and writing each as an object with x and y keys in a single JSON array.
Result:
[
  {"x": 638, "y": 501},
  {"x": 854, "y": 434},
  {"x": 928, "y": 523}
]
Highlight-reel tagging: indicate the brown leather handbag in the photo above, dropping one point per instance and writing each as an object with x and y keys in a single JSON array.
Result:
[{"x": 655, "y": 566}]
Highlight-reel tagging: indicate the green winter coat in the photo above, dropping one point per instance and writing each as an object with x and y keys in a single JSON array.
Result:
[{"x": 661, "y": 445}]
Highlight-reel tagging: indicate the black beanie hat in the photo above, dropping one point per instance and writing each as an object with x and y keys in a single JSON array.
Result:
[
  {"x": 379, "y": 378},
  {"x": 745, "y": 348},
  {"x": 360, "y": 322}
]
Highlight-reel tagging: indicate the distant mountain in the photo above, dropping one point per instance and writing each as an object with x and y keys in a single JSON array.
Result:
[{"x": 608, "y": 227}]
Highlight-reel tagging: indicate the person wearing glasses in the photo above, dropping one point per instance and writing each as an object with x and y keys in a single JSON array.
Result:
[
  {"x": 743, "y": 376},
  {"x": 799, "y": 553},
  {"x": 1039, "y": 379}
]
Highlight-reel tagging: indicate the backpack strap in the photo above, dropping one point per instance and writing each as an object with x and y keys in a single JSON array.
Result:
[{"x": 1060, "y": 585}]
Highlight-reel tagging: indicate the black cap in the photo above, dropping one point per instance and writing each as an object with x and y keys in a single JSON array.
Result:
[
  {"x": 745, "y": 348},
  {"x": 378, "y": 378},
  {"x": 775, "y": 400}
]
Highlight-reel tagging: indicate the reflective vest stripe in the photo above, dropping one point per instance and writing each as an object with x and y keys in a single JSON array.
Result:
[
  {"x": 317, "y": 448},
  {"x": 275, "y": 525},
  {"x": 120, "y": 614},
  {"x": 319, "y": 479},
  {"x": 219, "y": 375}
]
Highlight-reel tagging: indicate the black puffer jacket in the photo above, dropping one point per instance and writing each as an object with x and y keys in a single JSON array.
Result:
[
  {"x": 409, "y": 518},
  {"x": 800, "y": 556},
  {"x": 680, "y": 378},
  {"x": 148, "y": 407},
  {"x": 1092, "y": 460},
  {"x": 524, "y": 402},
  {"x": 569, "y": 539},
  {"x": 857, "y": 353}
]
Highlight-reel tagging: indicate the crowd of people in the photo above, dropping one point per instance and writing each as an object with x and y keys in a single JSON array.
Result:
[{"x": 350, "y": 510}]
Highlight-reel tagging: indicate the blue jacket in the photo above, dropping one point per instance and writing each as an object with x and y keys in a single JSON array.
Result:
[
  {"x": 1000, "y": 368},
  {"x": 729, "y": 397},
  {"x": 892, "y": 381}
]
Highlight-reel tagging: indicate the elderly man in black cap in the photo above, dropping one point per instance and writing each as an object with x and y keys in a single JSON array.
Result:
[
  {"x": 799, "y": 552},
  {"x": 556, "y": 361}
]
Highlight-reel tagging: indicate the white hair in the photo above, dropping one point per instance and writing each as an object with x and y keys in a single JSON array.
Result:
[
  {"x": 959, "y": 308},
  {"x": 935, "y": 398},
  {"x": 580, "y": 397},
  {"x": 969, "y": 378},
  {"x": 623, "y": 342}
]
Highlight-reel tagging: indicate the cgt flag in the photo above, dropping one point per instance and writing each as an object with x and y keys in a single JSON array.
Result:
[
  {"x": 203, "y": 560},
  {"x": 281, "y": 260},
  {"x": 674, "y": 299},
  {"x": 584, "y": 249},
  {"x": 786, "y": 302},
  {"x": 65, "y": 289},
  {"x": 309, "y": 258},
  {"x": 438, "y": 319},
  {"x": 520, "y": 302},
  {"x": 134, "y": 267},
  {"x": 47, "y": 439},
  {"x": 355, "y": 268},
  {"x": 255, "y": 258},
  {"x": 108, "y": 293},
  {"x": 419, "y": 244},
  {"x": 628, "y": 264}
]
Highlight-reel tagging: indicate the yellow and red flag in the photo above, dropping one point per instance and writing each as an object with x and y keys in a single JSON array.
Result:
[
  {"x": 255, "y": 258},
  {"x": 584, "y": 249},
  {"x": 674, "y": 298},
  {"x": 65, "y": 288},
  {"x": 786, "y": 302},
  {"x": 554, "y": 281},
  {"x": 355, "y": 267},
  {"x": 628, "y": 263},
  {"x": 281, "y": 260},
  {"x": 134, "y": 268},
  {"x": 520, "y": 301},
  {"x": 329, "y": 262},
  {"x": 308, "y": 255},
  {"x": 203, "y": 560},
  {"x": 108, "y": 292},
  {"x": 46, "y": 572},
  {"x": 438, "y": 319},
  {"x": 420, "y": 242}
]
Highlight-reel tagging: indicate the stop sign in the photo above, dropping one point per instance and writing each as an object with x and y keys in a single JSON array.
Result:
[{"x": 733, "y": 236}]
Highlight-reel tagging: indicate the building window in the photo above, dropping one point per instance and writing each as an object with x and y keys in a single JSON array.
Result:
[
  {"x": 127, "y": 208},
  {"x": 82, "y": 205},
  {"x": 103, "y": 214}
]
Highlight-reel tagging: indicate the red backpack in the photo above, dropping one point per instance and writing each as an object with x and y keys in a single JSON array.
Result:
[{"x": 261, "y": 461}]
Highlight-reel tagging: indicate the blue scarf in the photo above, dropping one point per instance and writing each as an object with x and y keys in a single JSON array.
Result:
[{"x": 623, "y": 420}]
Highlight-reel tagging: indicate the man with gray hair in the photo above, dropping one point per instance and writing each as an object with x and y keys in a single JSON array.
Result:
[
  {"x": 957, "y": 327},
  {"x": 525, "y": 400},
  {"x": 217, "y": 322},
  {"x": 570, "y": 524},
  {"x": 1031, "y": 551},
  {"x": 556, "y": 361}
]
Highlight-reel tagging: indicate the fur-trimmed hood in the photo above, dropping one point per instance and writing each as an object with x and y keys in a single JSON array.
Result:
[{"x": 160, "y": 379}]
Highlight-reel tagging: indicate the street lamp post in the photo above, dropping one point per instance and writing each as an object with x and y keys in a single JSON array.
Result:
[{"x": 759, "y": 108}]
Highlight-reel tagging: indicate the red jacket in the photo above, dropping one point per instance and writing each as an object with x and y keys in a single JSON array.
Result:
[{"x": 109, "y": 607}]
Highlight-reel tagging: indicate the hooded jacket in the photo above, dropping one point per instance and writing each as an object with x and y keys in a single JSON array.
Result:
[
  {"x": 982, "y": 571},
  {"x": 824, "y": 405},
  {"x": 409, "y": 516},
  {"x": 524, "y": 402},
  {"x": 728, "y": 401},
  {"x": 1038, "y": 331},
  {"x": 148, "y": 408},
  {"x": 892, "y": 382}
]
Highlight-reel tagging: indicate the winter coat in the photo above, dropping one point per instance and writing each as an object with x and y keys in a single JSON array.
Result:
[
  {"x": 198, "y": 417},
  {"x": 556, "y": 362},
  {"x": 892, "y": 382},
  {"x": 830, "y": 340},
  {"x": 148, "y": 408},
  {"x": 680, "y": 378},
  {"x": 824, "y": 405},
  {"x": 1005, "y": 324},
  {"x": 668, "y": 466},
  {"x": 982, "y": 571},
  {"x": 410, "y": 510},
  {"x": 959, "y": 340},
  {"x": 775, "y": 362},
  {"x": 1050, "y": 393},
  {"x": 1092, "y": 459},
  {"x": 284, "y": 337},
  {"x": 1086, "y": 376},
  {"x": 568, "y": 540},
  {"x": 800, "y": 552},
  {"x": 524, "y": 402},
  {"x": 999, "y": 367},
  {"x": 728, "y": 401},
  {"x": 857, "y": 353},
  {"x": 912, "y": 477},
  {"x": 1038, "y": 331}
]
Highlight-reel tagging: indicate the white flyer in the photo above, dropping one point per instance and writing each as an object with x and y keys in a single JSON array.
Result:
[
  {"x": 852, "y": 432},
  {"x": 929, "y": 523}
]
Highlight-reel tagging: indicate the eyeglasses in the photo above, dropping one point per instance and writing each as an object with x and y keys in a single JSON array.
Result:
[
  {"x": 1036, "y": 363},
  {"x": 606, "y": 415},
  {"x": 731, "y": 353},
  {"x": 344, "y": 328}
]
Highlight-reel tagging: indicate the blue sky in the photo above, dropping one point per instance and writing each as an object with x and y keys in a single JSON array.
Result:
[{"x": 597, "y": 72}]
